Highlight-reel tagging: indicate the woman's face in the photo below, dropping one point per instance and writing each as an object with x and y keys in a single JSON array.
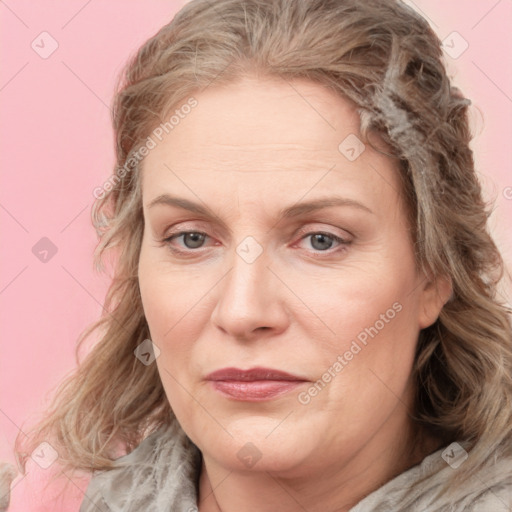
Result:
[{"x": 291, "y": 252}]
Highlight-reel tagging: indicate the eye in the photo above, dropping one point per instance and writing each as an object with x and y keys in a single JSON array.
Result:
[
  {"x": 322, "y": 241},
  {"x": 191, "y": 240}
]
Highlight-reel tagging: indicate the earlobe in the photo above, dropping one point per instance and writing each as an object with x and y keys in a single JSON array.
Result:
[{"x": 436, "y": 293}]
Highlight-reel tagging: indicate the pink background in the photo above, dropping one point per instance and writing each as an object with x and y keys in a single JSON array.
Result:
[{"x": 57, "y": 147}]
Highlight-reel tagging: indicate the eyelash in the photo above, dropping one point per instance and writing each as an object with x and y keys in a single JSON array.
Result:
[{"x": 343, "y": 243}]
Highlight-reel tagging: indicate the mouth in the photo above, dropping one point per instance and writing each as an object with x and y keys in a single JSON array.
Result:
[{"x": 255, "y": 384}]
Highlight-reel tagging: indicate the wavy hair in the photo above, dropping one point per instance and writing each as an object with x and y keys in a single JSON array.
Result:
[{"x": 385, "y": 58}]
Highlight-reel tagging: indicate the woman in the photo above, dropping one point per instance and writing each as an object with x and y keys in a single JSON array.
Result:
[{"x": 304, "y": 312}]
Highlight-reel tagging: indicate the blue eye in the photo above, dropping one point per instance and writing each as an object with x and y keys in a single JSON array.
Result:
[
  {"x": 195, "y": 238},
  {"x": 191, "y": 240},
  {"x": 321, "y": 238}
]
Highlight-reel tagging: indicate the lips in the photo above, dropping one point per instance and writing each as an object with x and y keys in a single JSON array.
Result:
[
  {"x": 252, "y": 375},
  {"x": 253, "y": 385}
]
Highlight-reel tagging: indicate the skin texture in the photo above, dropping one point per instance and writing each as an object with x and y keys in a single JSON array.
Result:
[{"x": 246, "y": 151}]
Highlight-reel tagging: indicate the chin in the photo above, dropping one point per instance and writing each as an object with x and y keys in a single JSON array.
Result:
[{"x": 257, "y": 445}]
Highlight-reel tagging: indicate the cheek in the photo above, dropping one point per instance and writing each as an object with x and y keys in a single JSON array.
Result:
[
  {"x": 161, "y": 293},
  {"x": 371, "y": 314},
  {"x": 168, "y": 310},
  {"x": 366, "y": 365},
  {"x": 361, "y": 304},
  {"x": 174, "y": 303},
  {"x": 171, "y": 310}
]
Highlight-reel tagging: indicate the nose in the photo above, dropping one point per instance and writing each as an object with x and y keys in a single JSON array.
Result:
[{"x": 251, "y": 301}]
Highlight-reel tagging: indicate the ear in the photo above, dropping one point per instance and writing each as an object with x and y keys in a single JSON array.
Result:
[{"x": 435, "y": 294}]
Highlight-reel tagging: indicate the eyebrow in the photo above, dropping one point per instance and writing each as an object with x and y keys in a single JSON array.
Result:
[{"x": 286, "y": 213}]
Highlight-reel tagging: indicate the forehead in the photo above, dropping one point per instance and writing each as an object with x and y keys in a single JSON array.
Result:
[
  {"x": 257, "y": 137},
  {"x": 255, "y": 114}
]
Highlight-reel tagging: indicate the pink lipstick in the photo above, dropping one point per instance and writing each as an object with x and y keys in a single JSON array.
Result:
[{"x": 254, "y": 385}]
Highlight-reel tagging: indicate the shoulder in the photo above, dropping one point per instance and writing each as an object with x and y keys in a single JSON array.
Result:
[
  {"x": 7, "y": 474},
  {"x": 496, "y": 499},
  {"x": 488, "y": 490},
  {"x": 494, "y": 488},
  {"x": 419, "y": 489},
  {"x": 163, "y": 467}
]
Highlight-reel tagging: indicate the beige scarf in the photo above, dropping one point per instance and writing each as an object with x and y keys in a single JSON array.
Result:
[{"x": 161, "y": 474}]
